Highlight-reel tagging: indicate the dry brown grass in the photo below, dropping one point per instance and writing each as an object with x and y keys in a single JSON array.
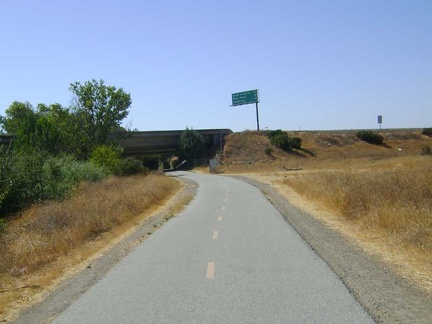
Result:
[
  {"x": 246, "y": 147},
  {"x": 44, "y": 233},
  {"x": 394, "y": 199}
]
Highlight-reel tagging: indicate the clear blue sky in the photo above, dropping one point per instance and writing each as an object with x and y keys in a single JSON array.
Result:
[{"x": 317, "y": 64}]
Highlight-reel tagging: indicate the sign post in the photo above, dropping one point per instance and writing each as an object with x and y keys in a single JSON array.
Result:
[
  {"x": 380, "y": 121},
  {"x": 245, "y": 98}
]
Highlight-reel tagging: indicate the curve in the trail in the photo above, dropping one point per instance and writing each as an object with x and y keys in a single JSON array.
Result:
[{"x": 229, "y": 257}]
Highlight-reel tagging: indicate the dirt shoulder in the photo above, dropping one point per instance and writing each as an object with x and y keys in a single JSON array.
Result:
[
  {"x": 85, "y": 275},
  {"x": 388, "y": 297}
]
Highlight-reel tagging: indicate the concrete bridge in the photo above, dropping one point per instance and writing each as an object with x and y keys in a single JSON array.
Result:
[
  {"x": 166, "y": 142},
  {"x": 158, "y": 142}
]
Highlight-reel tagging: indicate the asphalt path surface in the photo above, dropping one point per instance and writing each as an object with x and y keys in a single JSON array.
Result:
[{"x": 229, "y": 257}]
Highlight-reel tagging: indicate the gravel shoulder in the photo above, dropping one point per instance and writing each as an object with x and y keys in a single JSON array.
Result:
[{"x": 387, "y": 297}]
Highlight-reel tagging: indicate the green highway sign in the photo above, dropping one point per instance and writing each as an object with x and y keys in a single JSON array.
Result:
[{"x": 245, "y": 97}]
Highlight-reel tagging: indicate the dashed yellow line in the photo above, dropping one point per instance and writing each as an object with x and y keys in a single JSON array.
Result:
[{"x": 211, "y": 270}]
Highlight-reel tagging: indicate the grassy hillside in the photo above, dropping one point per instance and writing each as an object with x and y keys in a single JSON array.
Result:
[{"x": 249, "y": 150}]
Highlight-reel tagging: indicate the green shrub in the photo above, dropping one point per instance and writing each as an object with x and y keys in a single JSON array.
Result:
[
  {"x": 151, "y": 161},
  {"x": 61, "y": 173},
  {"x": 427, "y": 131},
  {"x": 131, "y": 166},
  {"x": 107, "y": 157},
  {"x": 296, "y": 142},
  {"x": 29, "y": 177},
  {"x": 76, "y": 171},
  {"x": 282, "y": 140},
  {"x": 26, "y": 180},
  {"x": 370, "y": 137}
]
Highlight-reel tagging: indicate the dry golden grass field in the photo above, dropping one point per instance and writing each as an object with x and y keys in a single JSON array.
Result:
[
  {"x": 46, "y": 241},
  {"x": 379, "y": 196}
]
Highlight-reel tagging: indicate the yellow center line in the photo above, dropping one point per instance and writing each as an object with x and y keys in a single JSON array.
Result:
[
  {"x": 210, "y": 270},
  {"x": 220, "y": 218},
  {"x": 215, "y": 235}
]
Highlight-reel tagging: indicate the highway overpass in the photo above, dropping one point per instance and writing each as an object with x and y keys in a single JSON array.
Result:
[
  {"x": 166, "y": 142},
  {"x": 157, "y": 142}
]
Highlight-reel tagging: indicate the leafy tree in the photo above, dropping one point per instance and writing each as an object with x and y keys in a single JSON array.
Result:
[
  {"x": 20, "y": 120},
  {"x": 191, "y": 145},
  {"x": 33, "y": 129},
  {"x": 50, "y": 120},
  {"x": 96, "y": 115}
]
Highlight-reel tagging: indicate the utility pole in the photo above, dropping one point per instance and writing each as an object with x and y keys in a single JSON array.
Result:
[{"x": 256, "y": 103}]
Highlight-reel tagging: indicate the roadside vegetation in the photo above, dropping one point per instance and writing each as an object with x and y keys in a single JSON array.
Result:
[
  {"x": 44, "y": 232},
  {"x": 191, "y": 146},
  {"x": 64, "y": 183}
]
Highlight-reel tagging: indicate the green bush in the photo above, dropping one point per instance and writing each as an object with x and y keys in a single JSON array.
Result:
[
  {"x": 131, "y": 166},
  {"x": 370, "y": 137},
  {"x": 151, "y": 161},
  {"x": 30, "y": 177},
  {"x": 26, "y": 180},
  {"x": 61, "y": 173},
  {"x": 427, "y": 131},
  {"x": 296, "y": 142},
  {"x": 76, "y": 171},
  {"x": 282, "y": 140},
  {"x": 107, "y": 157}
]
